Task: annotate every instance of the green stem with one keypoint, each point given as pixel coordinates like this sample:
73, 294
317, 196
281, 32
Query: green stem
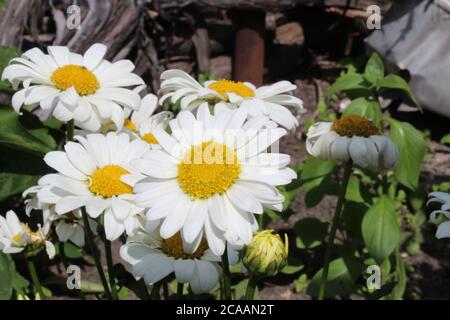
334, 225
70, 130
32, 270
165, 286
93, 249
226, 275
261, 221
143, 290
62, 254
155, 291
251, 287
180, 287
110, 265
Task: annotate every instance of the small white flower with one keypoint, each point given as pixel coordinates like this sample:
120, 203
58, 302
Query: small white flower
69, 86
68, 227
90, 175
355, 138
154, 258
212, 174
142, 121
443, 230
15, 236
270, 101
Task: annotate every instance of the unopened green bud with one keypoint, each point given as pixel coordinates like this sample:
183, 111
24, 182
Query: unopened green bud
266, 255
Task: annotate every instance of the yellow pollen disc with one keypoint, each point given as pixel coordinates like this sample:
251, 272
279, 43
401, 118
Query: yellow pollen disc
227, 86
130, 125
106, 182
354, 126
208, 169
173, 247
83, 80
16, 237
149, 138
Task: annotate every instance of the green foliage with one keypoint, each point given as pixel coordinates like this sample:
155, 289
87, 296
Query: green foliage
371, 218
310, 232
6, 54
380, 229
5, 277
342, 277
25, 133
412, 148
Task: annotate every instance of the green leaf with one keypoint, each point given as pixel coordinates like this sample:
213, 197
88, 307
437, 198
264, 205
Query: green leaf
240, 288
380, 229
400, 278
290, 269
393, 81
5, 277
341, 279
353, 192
445, 139
348, 81
374, 70
25, 133
365, 108
315, 170
310, 232
6, 54
300, 283
20, 170
412, 147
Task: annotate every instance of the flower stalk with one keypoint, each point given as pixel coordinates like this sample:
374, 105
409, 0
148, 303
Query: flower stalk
251, 287
93, 249
110, 266
334, 225
33, 274
226, 275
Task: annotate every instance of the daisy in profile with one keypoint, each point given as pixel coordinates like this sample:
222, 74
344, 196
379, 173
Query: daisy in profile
211, 176
270, 100
89, 174
69, 86
443, 198
142, 121
352, 137
68, 227
16, 236
154, 258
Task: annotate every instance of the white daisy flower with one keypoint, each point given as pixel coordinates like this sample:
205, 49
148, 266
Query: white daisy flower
69, 86
268, 100
212, 175
90, 175
142, 121
16, 236
154, 258
443, 230
68, 227
352, 137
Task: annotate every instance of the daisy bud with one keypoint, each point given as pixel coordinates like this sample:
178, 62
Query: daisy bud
266, 255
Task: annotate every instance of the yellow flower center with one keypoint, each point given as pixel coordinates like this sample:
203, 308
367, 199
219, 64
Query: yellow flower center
106, 182
354, 126
227, 86
83, 80
149, 138
173, 247
208, 169
17, 237
130, 125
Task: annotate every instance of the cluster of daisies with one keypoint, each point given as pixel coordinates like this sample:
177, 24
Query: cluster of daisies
182, 190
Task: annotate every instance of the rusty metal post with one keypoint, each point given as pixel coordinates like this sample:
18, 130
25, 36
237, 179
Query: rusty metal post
248, 60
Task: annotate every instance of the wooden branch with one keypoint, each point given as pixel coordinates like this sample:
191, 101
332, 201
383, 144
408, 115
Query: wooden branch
13, 21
